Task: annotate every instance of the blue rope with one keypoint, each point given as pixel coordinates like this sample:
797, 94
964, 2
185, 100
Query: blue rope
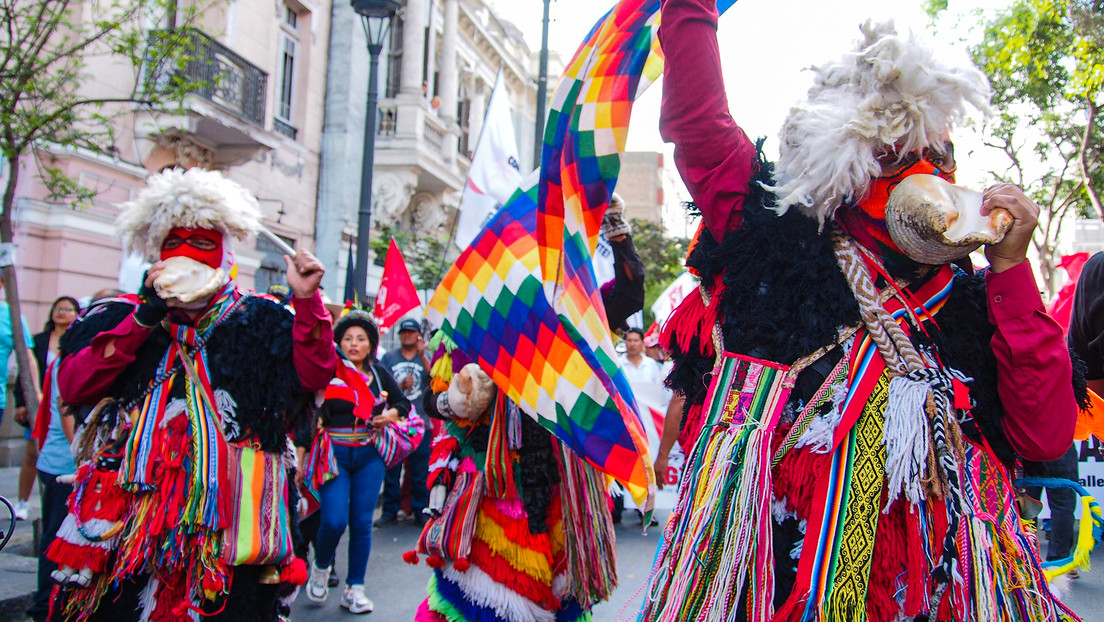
1057, 482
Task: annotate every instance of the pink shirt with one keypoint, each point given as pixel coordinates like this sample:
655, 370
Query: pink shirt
86, 375
717, 161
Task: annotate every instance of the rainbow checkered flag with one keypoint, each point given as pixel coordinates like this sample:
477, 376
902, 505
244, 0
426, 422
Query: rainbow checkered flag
522, 300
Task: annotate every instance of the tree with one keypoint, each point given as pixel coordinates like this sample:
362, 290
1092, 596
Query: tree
49, 103
424, 254
663, 259
1045, 62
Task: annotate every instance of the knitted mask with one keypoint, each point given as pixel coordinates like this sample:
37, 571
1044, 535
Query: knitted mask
865, 219
202, 245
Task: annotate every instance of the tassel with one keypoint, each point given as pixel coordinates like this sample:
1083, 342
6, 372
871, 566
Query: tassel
435, 561
499, 466
411, 557
461, 565
694, 317
906, 438
295, 572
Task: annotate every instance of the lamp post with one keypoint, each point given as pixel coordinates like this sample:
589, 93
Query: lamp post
376, 16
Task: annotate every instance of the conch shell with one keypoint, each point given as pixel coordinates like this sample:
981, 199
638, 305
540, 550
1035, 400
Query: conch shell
187, 280
936, 222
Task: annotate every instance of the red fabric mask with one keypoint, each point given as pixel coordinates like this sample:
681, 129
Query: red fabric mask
202, 245
865, 220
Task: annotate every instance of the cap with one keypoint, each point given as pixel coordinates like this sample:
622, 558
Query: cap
409, 324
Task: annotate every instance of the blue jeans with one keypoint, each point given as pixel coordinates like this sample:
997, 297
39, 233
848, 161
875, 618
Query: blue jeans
350, 500
418, 463
1062, 502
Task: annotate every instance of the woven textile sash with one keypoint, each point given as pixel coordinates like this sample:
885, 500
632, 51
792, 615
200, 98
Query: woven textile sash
207, 455
719, 537
449, 535
838, 545
258, 528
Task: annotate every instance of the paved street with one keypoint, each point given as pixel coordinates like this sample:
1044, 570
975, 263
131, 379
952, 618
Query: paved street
398, 588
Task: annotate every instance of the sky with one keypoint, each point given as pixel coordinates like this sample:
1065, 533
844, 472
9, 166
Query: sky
765, 47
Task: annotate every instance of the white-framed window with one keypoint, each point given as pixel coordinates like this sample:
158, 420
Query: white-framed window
286, 68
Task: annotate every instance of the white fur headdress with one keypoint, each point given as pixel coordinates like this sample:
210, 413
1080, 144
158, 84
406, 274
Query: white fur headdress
195, 198
890, 92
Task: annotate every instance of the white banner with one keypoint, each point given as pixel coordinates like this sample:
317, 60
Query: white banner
494, 173
1090, 472
652, 398
672, 296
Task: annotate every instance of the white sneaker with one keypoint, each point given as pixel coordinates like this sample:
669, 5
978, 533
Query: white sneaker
317, 590
22, 510
355, 601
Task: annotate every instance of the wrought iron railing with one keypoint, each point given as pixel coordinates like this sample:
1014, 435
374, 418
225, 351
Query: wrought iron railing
220, 76
284, 128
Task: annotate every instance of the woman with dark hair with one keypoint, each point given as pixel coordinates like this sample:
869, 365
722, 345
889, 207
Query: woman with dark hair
48, 454
62, 313
362, 398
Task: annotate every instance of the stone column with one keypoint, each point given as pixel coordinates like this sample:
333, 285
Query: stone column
450, 34
413, 47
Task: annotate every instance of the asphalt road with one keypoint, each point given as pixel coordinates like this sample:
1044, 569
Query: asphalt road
397, 588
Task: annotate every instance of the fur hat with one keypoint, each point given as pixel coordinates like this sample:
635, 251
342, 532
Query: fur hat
195, 198
891, 92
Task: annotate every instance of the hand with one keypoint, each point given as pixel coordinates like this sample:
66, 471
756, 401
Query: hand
21, 416
1012, 250
421, 345
388, 417
660, 467
151, 307
299, 476
407, 383
304, 273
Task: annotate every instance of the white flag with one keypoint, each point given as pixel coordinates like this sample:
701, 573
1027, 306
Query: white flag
672, 297
494, 173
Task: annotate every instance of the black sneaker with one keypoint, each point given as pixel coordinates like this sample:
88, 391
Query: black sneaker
334, 580
386, 520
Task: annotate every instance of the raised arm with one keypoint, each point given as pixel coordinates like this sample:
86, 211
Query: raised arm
714, 156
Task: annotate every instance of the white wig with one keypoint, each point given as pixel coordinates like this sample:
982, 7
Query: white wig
890, 93
195, 198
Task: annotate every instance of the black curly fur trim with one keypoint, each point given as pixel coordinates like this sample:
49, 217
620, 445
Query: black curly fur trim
1080, 382
962, 335
249, 356
538, 472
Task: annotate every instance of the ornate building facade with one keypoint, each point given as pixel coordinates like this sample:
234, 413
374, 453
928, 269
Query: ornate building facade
258, 118
436, 74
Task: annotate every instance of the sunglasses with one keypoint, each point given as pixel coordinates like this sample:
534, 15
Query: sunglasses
893, 163
196, 241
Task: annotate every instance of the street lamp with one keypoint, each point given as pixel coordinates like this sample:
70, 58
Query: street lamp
376, 16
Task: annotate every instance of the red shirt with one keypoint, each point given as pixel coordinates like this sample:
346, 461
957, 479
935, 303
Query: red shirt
717, 161
85, 376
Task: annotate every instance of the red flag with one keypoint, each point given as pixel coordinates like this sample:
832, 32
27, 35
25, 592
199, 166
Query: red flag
1061, 308
397, 294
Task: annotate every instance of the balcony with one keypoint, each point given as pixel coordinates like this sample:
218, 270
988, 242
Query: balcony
223, 116
222, 77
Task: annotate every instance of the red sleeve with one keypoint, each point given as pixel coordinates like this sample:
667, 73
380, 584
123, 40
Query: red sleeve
85, 376
1034, 372
314, 353
714, 156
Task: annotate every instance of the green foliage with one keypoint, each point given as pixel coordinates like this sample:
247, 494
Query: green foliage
663, 258
47, 96
1045, 61
424, 254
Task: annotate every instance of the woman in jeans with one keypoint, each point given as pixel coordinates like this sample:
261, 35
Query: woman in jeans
361, 399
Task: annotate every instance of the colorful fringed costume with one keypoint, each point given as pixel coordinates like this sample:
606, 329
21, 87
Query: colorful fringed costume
182, 507
538, 543
854, 417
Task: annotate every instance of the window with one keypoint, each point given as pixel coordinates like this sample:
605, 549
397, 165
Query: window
273, 268
394, 59
289, 48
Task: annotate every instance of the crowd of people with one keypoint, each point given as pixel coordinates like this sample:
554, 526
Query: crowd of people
857, 411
